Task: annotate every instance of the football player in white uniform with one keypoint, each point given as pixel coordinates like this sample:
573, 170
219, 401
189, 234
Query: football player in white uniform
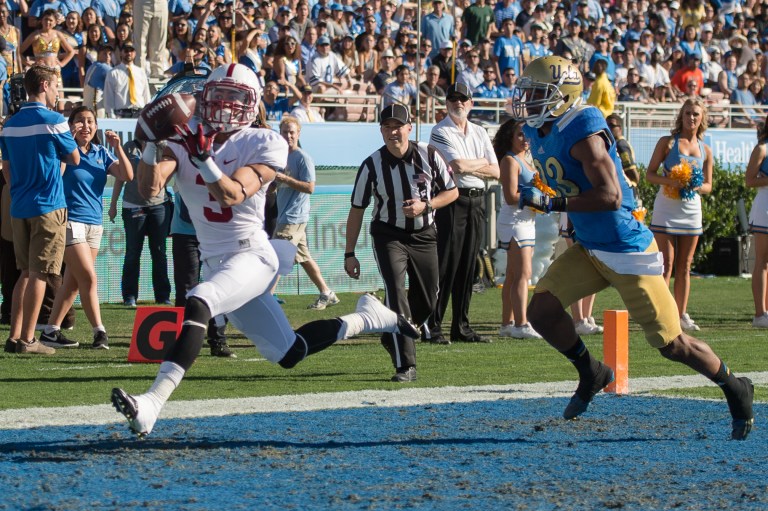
223, 167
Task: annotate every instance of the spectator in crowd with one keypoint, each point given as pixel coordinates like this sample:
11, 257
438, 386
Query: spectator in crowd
95, 78
690, 42
386, 73
150, 33
308, 46
326, 71
431, 93
88, 52
287, 64
602, 95
472, 74
728, 79
366, 65
757, 177
507, 84
32, 166
408, 181
468, 150
142, 219
348, 54
712, 68
123, 36
295, 184
438, 26
275, 106
602, 53
301, 22
401, 90
222, 49
574, 43
304, 111
180, 39
478, 21
487, 90
516, 229
12, 37
49, 46
83, 188
691, 72
126, 89
73, 31
677, 220
503, 10
634, 90
445, 61
745, 116
508, 49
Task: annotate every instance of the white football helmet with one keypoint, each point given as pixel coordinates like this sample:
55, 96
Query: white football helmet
231, 98
548, 88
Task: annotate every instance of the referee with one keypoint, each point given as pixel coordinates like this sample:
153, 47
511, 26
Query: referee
407, 182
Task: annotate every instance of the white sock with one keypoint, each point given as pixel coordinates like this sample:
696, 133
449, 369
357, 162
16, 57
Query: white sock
351, 325
50, 329
168, 378
99, 328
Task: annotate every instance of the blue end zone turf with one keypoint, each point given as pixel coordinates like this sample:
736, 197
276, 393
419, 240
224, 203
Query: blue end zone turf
633, 453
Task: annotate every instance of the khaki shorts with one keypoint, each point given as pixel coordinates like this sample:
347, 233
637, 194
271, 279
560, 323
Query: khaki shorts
296, 234
78, 232
39, 242
576, 274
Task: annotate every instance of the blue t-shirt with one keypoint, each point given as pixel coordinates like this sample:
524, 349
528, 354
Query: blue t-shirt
276, 110
293, 205
35, 141
84, 185
509, 51
611, 231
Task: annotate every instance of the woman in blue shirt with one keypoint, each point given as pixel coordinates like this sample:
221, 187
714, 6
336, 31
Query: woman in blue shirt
83, 187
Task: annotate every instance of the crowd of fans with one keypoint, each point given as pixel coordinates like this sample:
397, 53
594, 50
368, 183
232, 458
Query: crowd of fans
653, 51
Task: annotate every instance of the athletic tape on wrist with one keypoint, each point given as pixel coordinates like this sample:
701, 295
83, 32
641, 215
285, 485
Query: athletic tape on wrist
209, 171
149, 154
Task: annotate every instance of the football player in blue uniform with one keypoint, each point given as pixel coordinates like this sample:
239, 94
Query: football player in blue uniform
575, 155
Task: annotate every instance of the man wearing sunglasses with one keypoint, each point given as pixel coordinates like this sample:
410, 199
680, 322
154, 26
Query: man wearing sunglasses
468, 150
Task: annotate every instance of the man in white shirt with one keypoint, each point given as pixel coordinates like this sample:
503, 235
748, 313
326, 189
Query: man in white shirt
126, 89
326, 70
304, 111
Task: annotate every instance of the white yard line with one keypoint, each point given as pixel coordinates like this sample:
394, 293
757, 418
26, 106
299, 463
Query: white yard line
105, 414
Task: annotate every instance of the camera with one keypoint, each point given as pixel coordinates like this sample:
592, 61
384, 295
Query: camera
18, 93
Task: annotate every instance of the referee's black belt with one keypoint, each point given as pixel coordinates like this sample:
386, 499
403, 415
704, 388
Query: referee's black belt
472, 192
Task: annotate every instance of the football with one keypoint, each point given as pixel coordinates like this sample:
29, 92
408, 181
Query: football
158, 119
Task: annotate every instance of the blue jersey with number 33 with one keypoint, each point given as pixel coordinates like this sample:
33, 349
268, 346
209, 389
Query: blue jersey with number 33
611, 231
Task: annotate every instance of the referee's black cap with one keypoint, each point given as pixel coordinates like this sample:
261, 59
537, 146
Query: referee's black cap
396, 111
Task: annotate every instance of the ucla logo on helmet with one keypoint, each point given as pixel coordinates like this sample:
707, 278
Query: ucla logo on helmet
565, 74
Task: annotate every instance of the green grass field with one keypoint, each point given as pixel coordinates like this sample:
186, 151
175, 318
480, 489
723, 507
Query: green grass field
721, 306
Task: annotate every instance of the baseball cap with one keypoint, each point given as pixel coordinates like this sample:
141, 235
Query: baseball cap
459, 89
600, 38
535, 26
447, 45
715, 49
466, 42
582, 2
102, 47
634, 37
397, 112
128, 46
618, 48
706, 27
306, 88
336, 7
283, 9
388, 53
674, 5
323, 39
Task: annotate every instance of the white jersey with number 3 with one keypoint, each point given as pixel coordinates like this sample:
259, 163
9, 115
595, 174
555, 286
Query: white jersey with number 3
222, 230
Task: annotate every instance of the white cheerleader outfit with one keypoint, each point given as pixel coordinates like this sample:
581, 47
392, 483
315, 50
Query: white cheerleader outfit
514, 223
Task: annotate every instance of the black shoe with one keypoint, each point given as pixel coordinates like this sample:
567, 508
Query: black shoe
57, 340
406, 327
587, 389
405, 375
221, 349
438, 340
10, 345
100, 341
473, 338
740, 405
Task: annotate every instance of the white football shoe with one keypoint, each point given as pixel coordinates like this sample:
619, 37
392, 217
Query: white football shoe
594, 324
687, 323
140, 411
506, 330
378, 318
525, 331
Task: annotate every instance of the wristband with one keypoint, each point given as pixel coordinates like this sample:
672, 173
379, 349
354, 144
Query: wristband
149, 154
209, 171
347, 255
558, 203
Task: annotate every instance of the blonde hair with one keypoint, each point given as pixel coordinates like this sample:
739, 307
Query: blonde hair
290, 119
694, 102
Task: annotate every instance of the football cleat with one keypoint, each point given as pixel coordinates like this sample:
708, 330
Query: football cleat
587, 390
378, 318
740, 405
137, 409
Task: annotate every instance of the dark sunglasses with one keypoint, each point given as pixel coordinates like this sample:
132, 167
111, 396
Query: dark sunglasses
457, 98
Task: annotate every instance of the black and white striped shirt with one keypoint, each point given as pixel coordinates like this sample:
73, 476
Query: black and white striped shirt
420, 174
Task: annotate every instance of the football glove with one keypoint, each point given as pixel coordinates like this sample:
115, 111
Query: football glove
197, 144
538, 201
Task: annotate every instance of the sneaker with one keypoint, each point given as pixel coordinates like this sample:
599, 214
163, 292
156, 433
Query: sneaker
137, 409
100, 341
10, 345
405, 375
740, 405
378, 318
57, 340
687, 323
324, 301
584, 327
760, 321
595, 325
506, 330
130, 302
221, 349
586, 390
525, 331
33, 346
